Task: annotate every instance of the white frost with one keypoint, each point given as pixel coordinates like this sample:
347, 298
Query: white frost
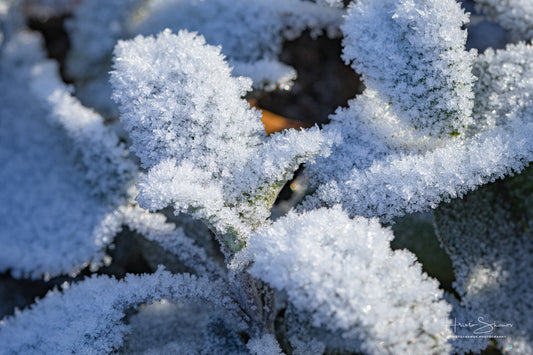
206, 150
344, 272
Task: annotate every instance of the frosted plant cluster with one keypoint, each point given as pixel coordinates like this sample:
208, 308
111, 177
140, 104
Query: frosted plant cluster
388, 169
183, 134
324, 271
154, 144
423, 71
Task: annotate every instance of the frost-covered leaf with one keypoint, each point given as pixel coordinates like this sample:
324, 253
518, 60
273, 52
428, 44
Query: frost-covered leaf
87, 317
404, 183
488, 237
52, 219
154, 227
265, 345
344, 272
372, 175
57, 155
412, 54
206, 150
514, 15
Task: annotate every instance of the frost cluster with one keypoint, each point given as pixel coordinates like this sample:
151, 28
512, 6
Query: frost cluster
205, 148
56, 154
154, 146
389, 165
348, 277
54, 326
491, 248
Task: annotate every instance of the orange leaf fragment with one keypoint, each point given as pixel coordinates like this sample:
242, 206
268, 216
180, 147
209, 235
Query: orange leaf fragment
276, 123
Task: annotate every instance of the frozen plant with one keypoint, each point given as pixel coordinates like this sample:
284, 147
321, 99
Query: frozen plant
326, 272
391, 163
188, 172
183, 133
